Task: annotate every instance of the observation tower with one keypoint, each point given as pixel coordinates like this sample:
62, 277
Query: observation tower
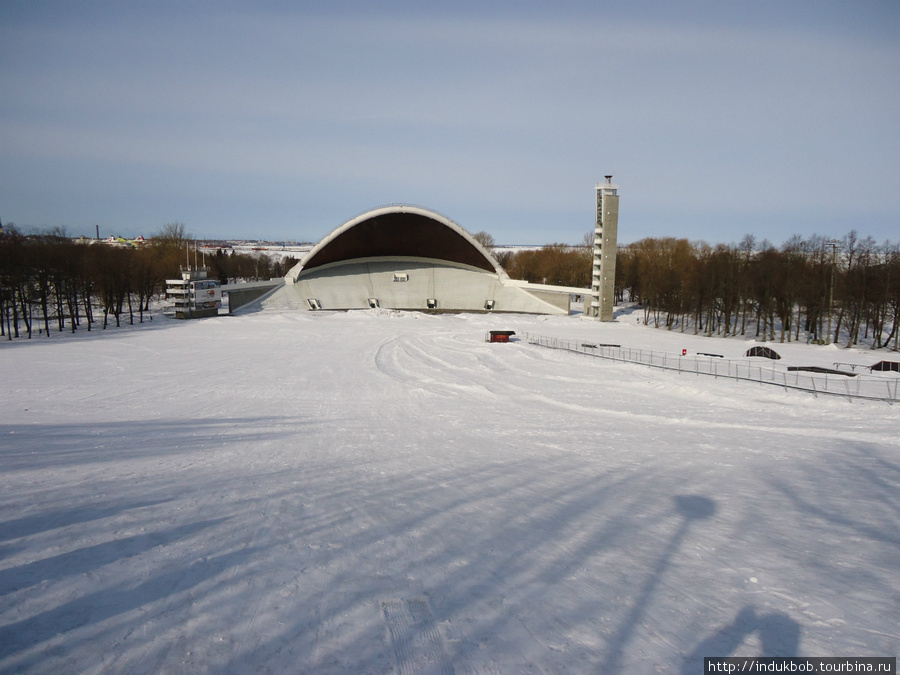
598, 304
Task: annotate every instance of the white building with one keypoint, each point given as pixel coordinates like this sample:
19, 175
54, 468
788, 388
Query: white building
411, 258
194, 295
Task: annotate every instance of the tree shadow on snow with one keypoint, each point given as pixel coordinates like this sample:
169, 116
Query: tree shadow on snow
859, 475
691, 509
37, 446
545, 563
41, 522
84, 560
107, 603
517, 577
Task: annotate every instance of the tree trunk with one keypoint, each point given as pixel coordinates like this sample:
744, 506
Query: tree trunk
26, 311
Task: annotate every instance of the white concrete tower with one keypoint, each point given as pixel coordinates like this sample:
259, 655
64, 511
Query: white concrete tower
599, 304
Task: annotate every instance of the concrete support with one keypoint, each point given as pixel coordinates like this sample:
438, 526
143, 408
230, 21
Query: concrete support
241, 294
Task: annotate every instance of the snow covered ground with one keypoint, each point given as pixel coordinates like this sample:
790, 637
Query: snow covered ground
378, 492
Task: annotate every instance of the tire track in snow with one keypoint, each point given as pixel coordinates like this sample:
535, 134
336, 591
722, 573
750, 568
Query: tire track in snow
505, 386
326, 630
428, 371
417, 643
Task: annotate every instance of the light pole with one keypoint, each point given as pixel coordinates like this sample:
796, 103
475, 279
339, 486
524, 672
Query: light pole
834, 244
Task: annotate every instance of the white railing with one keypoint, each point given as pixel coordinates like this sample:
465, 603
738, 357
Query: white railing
861, 386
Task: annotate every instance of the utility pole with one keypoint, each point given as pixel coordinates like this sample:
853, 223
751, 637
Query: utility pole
834, 244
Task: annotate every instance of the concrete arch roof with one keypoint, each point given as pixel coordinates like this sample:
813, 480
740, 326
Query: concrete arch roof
399, 230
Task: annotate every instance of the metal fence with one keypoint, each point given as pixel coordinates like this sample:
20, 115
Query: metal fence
879, 388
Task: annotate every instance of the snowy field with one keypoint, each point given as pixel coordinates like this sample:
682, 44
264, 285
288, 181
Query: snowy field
379, 492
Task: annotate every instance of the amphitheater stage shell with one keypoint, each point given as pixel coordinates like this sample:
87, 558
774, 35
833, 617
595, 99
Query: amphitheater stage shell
409, 258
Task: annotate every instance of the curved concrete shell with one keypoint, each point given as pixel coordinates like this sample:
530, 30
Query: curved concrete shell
392, 231
408, 257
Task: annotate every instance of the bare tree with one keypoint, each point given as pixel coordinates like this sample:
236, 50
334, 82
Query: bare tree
484, 239
174, 235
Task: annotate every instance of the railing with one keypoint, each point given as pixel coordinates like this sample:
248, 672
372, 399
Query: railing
861, 386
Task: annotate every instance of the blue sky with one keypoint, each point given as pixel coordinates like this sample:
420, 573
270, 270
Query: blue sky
281, 120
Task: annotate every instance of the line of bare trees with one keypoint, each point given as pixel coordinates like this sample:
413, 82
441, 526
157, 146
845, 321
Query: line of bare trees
50, 282
554, 264
805, 287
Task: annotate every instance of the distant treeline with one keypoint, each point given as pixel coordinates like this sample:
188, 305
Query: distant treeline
50, 282
757, 289
554, 264
746, 289
768, 292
